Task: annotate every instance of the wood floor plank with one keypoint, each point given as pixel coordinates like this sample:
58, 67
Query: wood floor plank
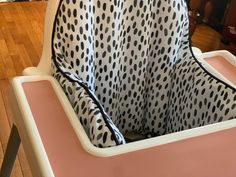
29, 41
3, 47
16, 32
5, 12
9, 41
4, 123
29, 50
32, 27
1, 159
22, 60
1, 35
17, 172
2, 20
27, 173
9, 69
5, 88
24, 162
2, 70
6, 61
18, 64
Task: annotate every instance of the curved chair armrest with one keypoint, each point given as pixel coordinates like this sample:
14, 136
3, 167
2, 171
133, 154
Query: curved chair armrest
197, 52
212, 69
201, 57
223, 53
27, 128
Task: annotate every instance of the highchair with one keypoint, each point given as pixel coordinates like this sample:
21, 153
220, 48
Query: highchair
119, 91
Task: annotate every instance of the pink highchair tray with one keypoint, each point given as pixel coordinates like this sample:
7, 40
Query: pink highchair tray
211, 155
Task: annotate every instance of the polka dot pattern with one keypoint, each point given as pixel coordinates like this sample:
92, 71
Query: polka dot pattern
97, 124
134, 58
197, 98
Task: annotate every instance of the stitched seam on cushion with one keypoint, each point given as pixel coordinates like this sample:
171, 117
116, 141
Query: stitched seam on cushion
92, 97
82, 85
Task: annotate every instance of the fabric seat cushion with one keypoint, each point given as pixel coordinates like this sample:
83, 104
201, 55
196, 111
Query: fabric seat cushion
97, 124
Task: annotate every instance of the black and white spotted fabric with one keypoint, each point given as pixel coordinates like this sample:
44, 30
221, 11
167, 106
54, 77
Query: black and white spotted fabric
97, 124
130, 61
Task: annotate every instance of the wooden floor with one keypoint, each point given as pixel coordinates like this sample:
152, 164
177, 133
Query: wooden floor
21, 26
207, 39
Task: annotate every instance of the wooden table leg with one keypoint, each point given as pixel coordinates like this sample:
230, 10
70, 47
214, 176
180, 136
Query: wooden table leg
11, 152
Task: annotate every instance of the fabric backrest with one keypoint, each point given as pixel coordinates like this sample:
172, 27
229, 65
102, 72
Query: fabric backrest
135, 56
125, 51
